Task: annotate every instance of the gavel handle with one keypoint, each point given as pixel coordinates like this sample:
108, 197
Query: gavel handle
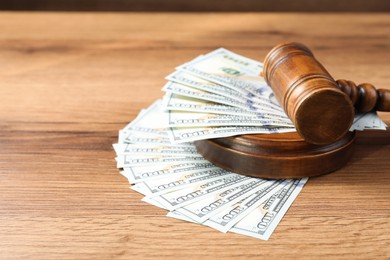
365, 97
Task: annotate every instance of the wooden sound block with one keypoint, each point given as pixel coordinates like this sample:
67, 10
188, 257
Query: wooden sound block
276, 156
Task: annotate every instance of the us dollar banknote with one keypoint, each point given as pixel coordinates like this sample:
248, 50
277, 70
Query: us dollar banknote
192, 81
185, 101
190, 134
204, 209
261, 222
263, 100
191, 119
131, 160
176, 102
183, 90
228, 69
161, 186
141, 173
230, 215
137, 149
180, 198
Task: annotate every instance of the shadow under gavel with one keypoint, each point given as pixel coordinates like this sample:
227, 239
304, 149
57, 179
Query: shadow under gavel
321, 109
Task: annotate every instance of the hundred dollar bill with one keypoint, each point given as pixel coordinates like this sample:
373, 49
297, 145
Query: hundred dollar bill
201, 84
147, 127
204, 209
180, 198
149, 130
137, 118
376, 122
231, 214
161, 186
228, 69
191, 119
137, 139
147, 149
144, 132
261, 222
221, 67
140, 117
182, 103
262, 100
139, 133
124, 132
149, 122
147, 137
190, 134
359, 122
122, 136
367, 121
183, 90
128, 161
137, 174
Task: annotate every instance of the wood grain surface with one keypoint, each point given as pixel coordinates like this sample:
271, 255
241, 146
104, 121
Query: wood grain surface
69, 81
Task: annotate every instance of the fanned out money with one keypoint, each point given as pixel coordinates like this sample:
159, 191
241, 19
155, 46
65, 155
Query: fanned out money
175, 177
215, 95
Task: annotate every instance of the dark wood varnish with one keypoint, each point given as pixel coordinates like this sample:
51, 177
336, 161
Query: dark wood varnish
365, 97
308, 93
285, 155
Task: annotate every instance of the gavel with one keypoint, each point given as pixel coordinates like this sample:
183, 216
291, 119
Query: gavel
321, 108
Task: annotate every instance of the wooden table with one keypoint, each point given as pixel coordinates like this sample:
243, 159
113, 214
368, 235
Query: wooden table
69, 81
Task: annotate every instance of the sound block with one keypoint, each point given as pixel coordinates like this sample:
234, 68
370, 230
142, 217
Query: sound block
276, 156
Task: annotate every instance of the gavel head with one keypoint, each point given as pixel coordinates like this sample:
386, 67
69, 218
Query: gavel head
320, 111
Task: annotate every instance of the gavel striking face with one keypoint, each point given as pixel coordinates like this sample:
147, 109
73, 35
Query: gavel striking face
321, 108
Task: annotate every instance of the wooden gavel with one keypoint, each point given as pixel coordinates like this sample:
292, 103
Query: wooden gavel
321, 108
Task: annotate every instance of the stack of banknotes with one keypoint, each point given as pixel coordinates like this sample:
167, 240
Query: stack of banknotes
219, 94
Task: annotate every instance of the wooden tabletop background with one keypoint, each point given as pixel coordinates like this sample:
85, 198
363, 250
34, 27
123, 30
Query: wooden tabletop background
70, 81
